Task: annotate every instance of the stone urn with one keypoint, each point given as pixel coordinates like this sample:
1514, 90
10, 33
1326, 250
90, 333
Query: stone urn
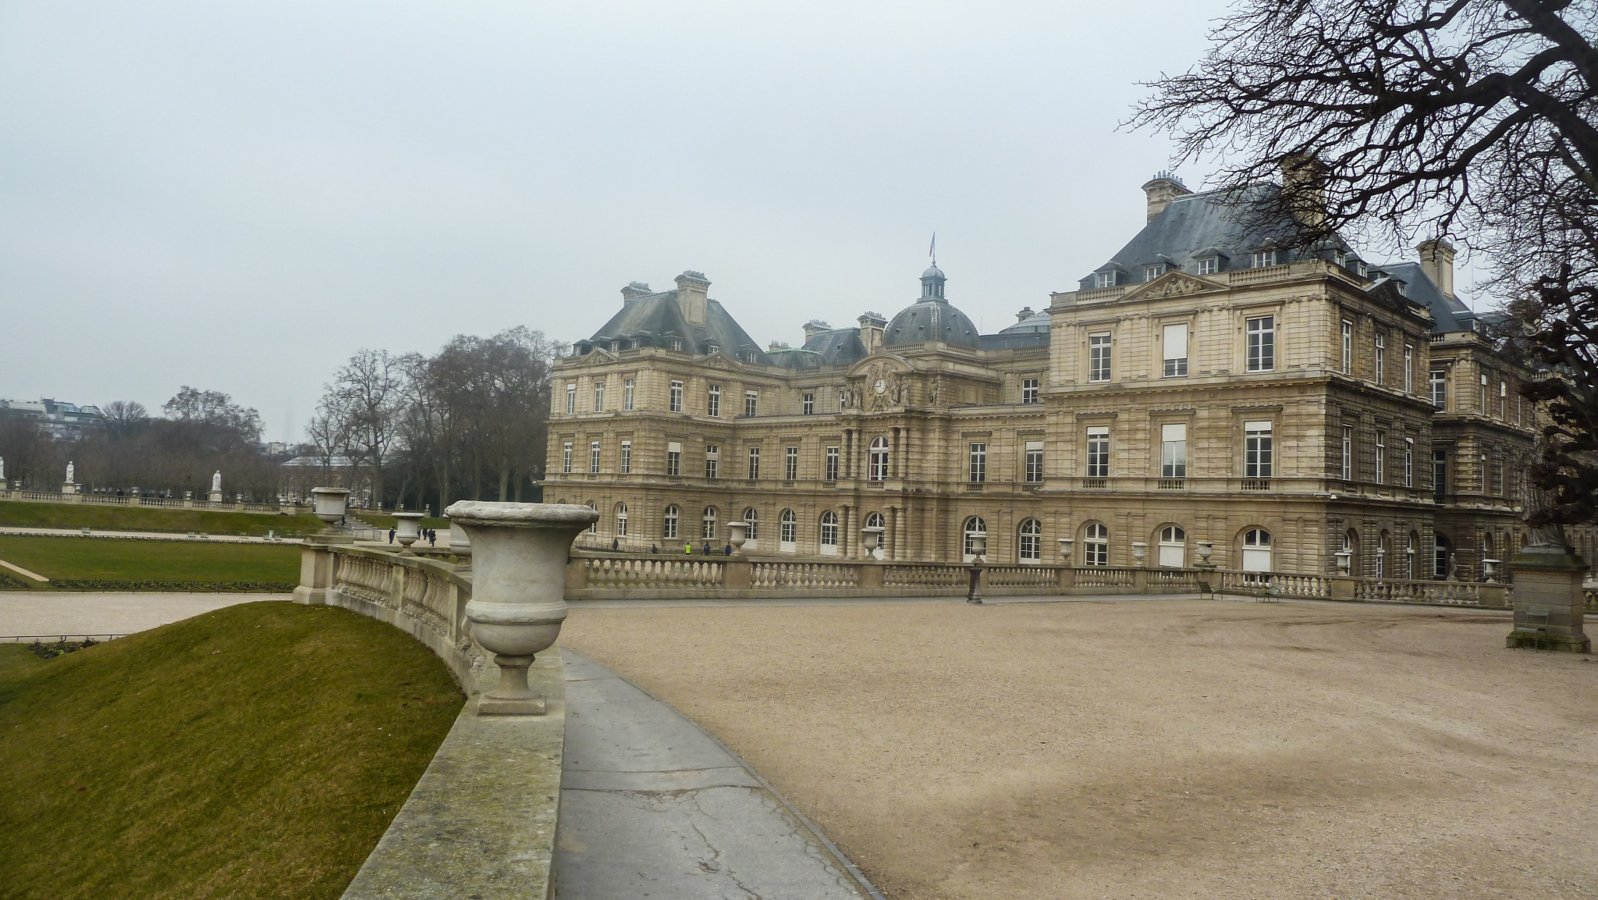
1140, 549
329, 503
407, 529
737, 534
1205, 550
1065, 549
872, 535
519, 553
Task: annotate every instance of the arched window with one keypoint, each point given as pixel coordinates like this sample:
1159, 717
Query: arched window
621, 520
1173, 547
593, 527
874, 520
1351, 547
878, 470
1384, 549
752, 533
829, 532
973, 527
1029, 543
708, 531
1256, 550
668, 522
1095, 544
787, 528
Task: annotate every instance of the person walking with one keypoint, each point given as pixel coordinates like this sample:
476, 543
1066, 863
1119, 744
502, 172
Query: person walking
688, 549
391, 535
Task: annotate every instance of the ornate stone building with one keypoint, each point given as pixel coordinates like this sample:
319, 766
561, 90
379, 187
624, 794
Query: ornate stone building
1205, 383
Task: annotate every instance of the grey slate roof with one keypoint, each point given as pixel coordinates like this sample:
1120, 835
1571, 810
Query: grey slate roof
1447, 315
654, 319
1209, 224
930, 320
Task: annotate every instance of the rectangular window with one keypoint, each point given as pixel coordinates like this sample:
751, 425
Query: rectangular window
843, 398
712, 461
1174, 342
1409, 368
1440, 473
571, 399
1098, 452
625, 463
1348, 453
1263, 258
807, 404
676, 397
713, 401
1258, 450
593, 458
1099, 357
1173, 451
979, 463
790, 464
751, 403
833, 456
1154, 271
1348, 346
1381, 357
1409, 462
1029, 390
754, 463
1209, 265
599, 396
673, 459
1381, 457
566, 457
1503, 399
1439, 387
1498, 474
1104, 279
1034, 462
627, 395
1481, 405
1261, 344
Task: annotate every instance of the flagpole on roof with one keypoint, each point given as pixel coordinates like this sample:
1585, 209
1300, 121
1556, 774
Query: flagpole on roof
932, 251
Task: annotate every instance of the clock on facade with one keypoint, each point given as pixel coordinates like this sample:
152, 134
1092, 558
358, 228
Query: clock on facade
880, 386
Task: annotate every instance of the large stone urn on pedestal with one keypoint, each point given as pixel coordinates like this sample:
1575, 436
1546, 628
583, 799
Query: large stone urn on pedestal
737, 535
519, 553
407, 530
330, 503
316, 555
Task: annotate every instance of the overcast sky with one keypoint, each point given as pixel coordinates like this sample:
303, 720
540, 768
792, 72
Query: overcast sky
239, 196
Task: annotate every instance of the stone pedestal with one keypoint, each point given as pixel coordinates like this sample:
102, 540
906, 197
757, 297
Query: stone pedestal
69, 488
216, 497
1548, 600
519, 553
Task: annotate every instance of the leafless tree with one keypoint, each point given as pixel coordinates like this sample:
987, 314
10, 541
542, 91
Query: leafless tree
365, 401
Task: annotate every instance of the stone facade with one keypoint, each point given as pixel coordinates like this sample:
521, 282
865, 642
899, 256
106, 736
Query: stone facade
1202, 385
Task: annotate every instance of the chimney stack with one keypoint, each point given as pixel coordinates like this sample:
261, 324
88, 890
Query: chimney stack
1437, 261
871, 325
693, 296
635, 290
815, 327
1304, 189
1161, 190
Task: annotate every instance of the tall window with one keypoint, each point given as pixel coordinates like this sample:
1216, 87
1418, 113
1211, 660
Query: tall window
571, 399
1381, 457
1409, 462
712, 461
1029, 543
829, 530
1256, 550
1439, 387
599, 396
1095, 545
790, 463
627, 395
621, 520
807, 404
833, 456
707, 530
974, 527
625, 462
843, 398
566, 457
754, 463
673, 459
1481, 403
1261, 343
753, 518
593, 527
979, 462
1381, 357
1503, 399
1104, 279
1384, 548
1257, 450
1173, 547
593, 457
878, 468
1098, 452
1409, 368
1173, 450
1348, 346
751, 403
1348, 453
787, 527
1440, 473
668, 522
713, 401
1033, 462
676, 397
1174, 344
1411, 546
1099, 357
1029, 390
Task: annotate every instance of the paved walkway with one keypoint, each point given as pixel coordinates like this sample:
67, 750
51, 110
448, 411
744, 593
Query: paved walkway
81, 614
652, 806
145, 535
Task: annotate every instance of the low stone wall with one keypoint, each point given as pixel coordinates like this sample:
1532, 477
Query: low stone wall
150, 501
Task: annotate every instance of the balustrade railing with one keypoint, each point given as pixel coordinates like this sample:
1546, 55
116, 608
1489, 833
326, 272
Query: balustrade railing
804, 575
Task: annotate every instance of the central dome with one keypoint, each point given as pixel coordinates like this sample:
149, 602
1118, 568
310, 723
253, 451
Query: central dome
931, 318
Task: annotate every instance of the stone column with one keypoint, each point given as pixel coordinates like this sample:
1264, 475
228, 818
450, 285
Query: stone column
1548, 599
518, 591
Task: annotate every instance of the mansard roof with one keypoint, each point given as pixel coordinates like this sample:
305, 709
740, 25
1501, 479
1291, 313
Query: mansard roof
1448, 313
654, 320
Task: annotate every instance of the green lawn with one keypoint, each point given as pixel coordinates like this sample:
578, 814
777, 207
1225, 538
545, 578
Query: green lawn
385, 522
110, 564
21, 514
260, 750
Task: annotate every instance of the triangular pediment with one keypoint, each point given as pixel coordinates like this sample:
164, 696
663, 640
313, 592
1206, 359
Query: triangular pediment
1173, 284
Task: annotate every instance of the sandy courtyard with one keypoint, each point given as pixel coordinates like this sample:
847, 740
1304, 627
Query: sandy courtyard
1148, 748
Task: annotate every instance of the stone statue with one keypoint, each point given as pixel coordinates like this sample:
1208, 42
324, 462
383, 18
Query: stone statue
1548, 535
71, 470
216, 480
2, 473
934, 387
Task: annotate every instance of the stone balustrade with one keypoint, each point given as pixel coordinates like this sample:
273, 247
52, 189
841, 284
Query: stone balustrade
151, 501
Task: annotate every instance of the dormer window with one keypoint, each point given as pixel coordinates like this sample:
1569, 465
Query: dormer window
710, 349
1360, 268
1263, 258
1153, 271
1104, 279
676, 344
1209, 265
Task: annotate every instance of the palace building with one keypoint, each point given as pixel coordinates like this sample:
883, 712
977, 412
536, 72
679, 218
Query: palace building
1207, 383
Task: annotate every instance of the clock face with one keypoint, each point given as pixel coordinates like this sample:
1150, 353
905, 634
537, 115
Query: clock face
880, 386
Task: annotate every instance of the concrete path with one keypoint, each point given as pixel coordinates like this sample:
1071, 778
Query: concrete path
81, 614
653, 807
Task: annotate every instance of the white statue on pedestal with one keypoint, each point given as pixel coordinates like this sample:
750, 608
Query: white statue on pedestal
70, 470
2, 473
216, 480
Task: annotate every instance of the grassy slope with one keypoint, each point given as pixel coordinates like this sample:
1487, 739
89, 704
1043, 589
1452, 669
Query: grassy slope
19, 514
133, 561
260, 750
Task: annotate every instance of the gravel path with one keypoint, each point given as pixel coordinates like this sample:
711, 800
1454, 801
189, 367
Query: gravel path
1147, 748
34, 613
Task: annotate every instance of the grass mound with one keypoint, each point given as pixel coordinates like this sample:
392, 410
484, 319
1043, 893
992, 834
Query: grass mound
105, 564
259, 750
23, 514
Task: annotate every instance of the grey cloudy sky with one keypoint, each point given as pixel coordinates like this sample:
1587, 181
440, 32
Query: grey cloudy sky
239, 196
